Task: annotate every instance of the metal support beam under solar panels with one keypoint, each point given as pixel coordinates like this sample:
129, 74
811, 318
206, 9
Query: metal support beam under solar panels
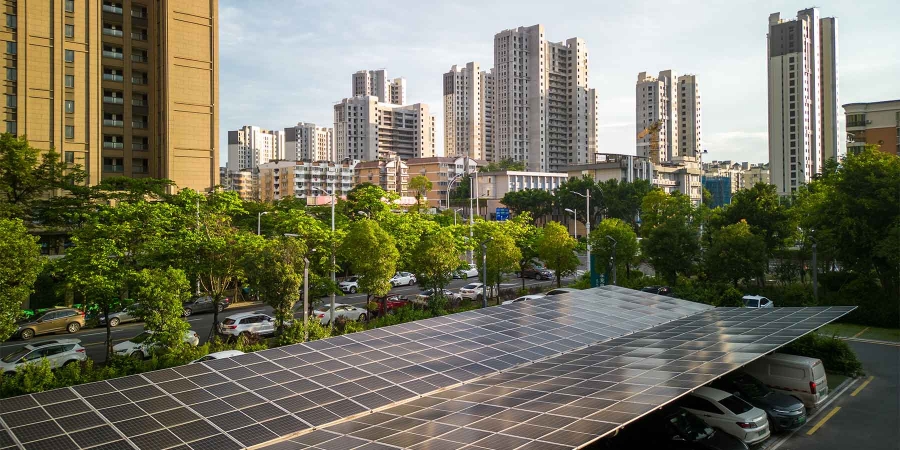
521, 352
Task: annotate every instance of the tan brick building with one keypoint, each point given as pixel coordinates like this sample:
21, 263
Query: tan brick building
875, 123
122, 87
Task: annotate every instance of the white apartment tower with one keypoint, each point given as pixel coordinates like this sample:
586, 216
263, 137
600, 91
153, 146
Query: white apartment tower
689, 126
367, 130
544, 112
805, 117
673, 102
308, 142
251, 146
466, 111
377, 84
487, 114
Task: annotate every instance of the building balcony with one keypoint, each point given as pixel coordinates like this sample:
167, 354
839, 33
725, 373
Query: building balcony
138, 58
139, 36
138, 80
111, 77
140, 14
138, 125
138, 102
857, 123
114, 100
139, 146
113, 55
113, 123
114, 145
112, 32
112, 9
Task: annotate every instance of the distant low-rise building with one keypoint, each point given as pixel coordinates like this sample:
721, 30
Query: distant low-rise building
245, 182
492, 186
682, 175
441, 171
875, 123
392, 175
756, 173
720, 188
366, 129
304, 179
610, 166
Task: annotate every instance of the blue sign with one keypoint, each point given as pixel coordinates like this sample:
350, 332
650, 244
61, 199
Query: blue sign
502, 214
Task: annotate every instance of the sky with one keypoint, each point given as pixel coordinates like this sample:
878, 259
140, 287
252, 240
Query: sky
289, 61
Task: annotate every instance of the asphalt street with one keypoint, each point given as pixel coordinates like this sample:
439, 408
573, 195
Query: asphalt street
866, 416
93, 339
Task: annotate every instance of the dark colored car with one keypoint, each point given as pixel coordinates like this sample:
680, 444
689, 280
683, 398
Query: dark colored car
204, 304
785, 412
129, 314
658, 290
674, 428
537, 272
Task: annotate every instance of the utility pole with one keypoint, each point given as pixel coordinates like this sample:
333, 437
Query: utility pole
305, 298
484, 272
613, 257
587, 225
259, 222
815, 273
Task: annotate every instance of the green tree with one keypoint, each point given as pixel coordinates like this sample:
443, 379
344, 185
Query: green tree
505, 164
626, 245
407, 230
421, 185
461, 191
557, 249
526, 236
502, 255
735, 253
671, 233
368, 199
276, 270
372, 256
160, 294
622, 200
765, 213
27, 173
22, 263
436, 257
536, 202
566, 197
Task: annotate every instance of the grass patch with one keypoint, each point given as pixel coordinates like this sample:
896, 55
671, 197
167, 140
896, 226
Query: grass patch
861, 332
834, 380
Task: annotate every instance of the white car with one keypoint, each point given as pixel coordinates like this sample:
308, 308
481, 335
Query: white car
139, 347
472, 291
469, 271
350, 285
728, 413
558, 291
219, 355
58, 353
403, 279
247, 325
349, 312
757, 301
523, 298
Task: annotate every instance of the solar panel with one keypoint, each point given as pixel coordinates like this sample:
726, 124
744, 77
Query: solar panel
242, 401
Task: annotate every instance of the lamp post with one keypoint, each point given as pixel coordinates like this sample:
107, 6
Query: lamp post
454, 215
701, 188
484, 272
614, 242
587, 225
333, 278
815, 270
259, 222
576, 220
450, 185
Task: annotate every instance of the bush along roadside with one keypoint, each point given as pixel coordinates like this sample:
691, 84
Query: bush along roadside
836, 354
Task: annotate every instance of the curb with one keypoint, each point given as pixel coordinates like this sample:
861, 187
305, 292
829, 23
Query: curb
773, 444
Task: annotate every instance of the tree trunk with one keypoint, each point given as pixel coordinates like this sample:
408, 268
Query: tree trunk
558, 279
212, 329
108, 332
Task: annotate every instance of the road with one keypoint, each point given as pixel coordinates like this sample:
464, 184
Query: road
866, 416
93, 339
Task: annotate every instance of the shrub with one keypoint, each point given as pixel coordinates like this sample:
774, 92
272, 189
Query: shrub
583, 281
730, 297
293, 333
30, 378
438, 305
836, 354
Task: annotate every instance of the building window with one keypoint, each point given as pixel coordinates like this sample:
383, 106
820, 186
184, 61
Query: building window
70, 106
70, 132
11, 101
11, 127
139, 165
70, 31
70, 56
70, 81
11, 21
70, 5
70, 157
11, 48
113, 165
11, 74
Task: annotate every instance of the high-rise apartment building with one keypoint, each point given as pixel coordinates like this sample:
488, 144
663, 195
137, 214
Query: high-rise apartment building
251, 146
487, 114
544, 112
121, 87
672, 102
366, 130
308, 142
467, 111
377, 84
875, 123
805, 121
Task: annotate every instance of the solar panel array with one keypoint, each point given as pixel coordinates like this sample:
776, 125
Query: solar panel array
257, 398
575, 398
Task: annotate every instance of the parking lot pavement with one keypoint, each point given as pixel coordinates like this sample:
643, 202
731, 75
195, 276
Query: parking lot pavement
865, 416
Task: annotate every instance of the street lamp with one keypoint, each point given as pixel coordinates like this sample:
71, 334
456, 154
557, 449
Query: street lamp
576, 220
450, 186
587, 225
613, 257
454, 215
701, 153
815, 269
305, 291
484, 271
333, 279
259, 222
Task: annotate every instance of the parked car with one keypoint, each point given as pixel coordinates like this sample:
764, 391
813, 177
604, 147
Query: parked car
757, 301
472, 291
247, 325
350, 285
558, 291
129, 314
62, 319
471, 270
426, 295
204, 304
348, 312
219, 355
785, 412
524, 298
536, 271
140, 346
403, 279
798, 376
391, 303
58, 353
674, 428
728, 413
658, 290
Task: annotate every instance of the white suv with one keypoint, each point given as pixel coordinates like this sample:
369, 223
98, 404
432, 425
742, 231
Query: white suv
58, 353
140, 346
350, 285
247, 325
473, 291
403, 279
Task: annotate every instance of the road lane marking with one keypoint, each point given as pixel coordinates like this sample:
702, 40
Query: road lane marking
834, 398
871, 341
862, 386
861, 332
822, 422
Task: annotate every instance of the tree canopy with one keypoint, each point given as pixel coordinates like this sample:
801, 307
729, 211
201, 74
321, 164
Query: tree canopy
557, 249
626, 245
536, 202
22, 263
735, 253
